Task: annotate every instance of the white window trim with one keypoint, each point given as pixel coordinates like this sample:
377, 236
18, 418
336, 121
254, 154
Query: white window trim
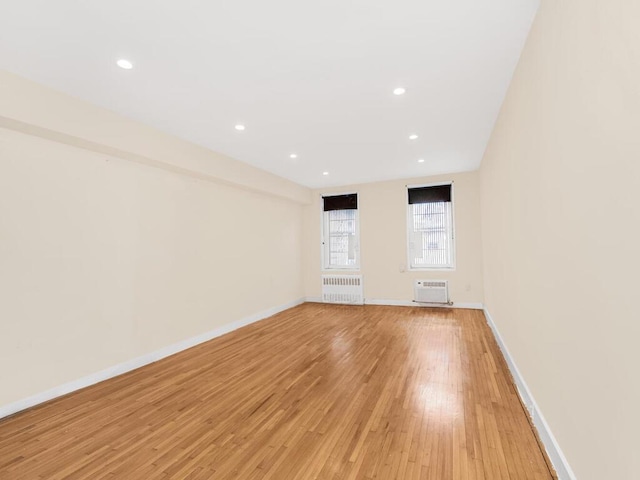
323, 253
453, 229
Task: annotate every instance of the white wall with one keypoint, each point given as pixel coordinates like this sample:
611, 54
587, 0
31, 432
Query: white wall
561, 229
104, 259
383, 231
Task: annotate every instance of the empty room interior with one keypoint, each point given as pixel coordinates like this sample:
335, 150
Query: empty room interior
319, 240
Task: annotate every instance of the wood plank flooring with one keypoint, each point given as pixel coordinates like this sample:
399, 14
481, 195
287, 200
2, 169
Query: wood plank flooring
316, 392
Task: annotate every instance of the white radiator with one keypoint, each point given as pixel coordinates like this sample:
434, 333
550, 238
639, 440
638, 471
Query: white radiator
431, 291
342, 289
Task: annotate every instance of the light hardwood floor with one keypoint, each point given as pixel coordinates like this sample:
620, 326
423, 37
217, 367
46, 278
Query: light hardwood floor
318, 391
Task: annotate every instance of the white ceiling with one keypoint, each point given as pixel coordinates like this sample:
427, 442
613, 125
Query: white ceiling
312, 78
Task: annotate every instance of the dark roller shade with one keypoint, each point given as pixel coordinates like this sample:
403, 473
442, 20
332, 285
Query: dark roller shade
439, 193
341, 202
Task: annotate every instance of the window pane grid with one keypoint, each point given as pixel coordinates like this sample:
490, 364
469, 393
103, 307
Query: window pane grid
341, 237
432, 234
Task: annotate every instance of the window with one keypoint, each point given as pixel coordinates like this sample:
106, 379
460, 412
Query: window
340, 232
430, 227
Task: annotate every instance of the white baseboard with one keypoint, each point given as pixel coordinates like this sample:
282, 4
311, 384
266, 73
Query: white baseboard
554, 452
138, 362
406, 303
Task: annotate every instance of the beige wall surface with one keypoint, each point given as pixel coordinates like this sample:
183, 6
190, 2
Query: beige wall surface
29, 106
103, 260
561, 229
383, 240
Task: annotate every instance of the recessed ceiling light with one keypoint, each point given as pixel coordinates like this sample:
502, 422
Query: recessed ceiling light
399, 91
421, 160
293, 155
325, 173
413, 137
126, 64
240, 127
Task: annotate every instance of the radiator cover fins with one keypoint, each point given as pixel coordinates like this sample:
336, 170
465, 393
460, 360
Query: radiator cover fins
345, 289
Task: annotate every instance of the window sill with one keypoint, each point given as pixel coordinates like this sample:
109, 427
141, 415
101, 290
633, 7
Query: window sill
431, 269
341, 270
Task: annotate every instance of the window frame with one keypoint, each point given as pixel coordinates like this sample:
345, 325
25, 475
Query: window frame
409, 229
324, 257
